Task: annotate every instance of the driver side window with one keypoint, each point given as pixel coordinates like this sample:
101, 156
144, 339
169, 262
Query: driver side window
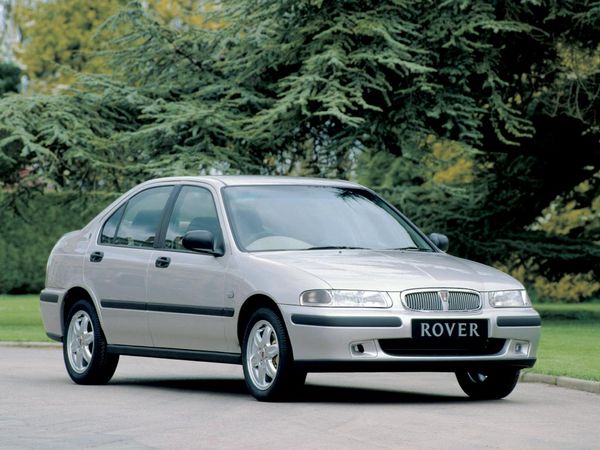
193, 210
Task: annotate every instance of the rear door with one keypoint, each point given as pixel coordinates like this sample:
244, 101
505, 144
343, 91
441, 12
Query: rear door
117, 265
187, 308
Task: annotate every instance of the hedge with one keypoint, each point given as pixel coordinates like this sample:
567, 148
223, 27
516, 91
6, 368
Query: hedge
28, 236
580, 311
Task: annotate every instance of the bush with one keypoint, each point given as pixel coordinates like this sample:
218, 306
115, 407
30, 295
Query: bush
567, 288
28, 236
565, 311
570, 288
10, 77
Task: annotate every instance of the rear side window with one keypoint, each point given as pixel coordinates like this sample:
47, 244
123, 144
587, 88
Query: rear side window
138, 223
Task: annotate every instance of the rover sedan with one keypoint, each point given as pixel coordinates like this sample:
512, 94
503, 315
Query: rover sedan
284, 276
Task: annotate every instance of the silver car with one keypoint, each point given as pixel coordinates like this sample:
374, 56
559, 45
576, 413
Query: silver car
284, 276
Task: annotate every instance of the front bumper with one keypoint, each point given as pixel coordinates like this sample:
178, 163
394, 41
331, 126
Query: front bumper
344, 339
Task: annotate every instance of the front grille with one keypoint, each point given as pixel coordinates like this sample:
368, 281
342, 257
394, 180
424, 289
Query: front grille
441, 347
431, 301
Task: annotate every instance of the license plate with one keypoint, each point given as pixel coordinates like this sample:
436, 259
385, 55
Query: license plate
449, 329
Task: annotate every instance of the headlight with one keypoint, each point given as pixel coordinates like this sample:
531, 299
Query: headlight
509, 299
337, 298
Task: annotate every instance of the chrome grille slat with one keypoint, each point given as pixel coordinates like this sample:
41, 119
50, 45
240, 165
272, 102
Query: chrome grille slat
463, 301
431, 301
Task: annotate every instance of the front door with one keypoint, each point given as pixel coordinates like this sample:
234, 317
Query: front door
186, 304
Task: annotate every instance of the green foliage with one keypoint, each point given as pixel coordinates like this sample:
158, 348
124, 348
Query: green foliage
289, 87
29, 235
485, 214
336, 78
10, 78
562, 311
574, 213
59, 39
570, 288
342, 88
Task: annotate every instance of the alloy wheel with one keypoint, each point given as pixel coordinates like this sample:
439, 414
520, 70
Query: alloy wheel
262, 354
80, 341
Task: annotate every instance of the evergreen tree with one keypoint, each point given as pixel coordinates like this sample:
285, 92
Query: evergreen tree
328, 87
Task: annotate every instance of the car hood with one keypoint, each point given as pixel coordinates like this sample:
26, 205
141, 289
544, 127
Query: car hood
392, 270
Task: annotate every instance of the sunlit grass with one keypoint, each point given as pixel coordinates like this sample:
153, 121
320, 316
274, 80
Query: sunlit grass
570, 348
20, 319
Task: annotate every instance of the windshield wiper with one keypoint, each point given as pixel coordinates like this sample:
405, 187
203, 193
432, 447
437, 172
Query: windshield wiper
419, 249
336, 247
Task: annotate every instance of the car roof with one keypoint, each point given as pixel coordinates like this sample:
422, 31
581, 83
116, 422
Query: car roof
254, 180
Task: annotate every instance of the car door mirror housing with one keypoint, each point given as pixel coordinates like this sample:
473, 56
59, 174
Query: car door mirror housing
202, 241
440, 241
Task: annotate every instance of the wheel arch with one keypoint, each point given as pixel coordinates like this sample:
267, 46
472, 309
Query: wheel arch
253, 303
71, 296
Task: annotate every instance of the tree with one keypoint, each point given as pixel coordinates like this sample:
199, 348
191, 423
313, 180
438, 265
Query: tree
60, 37
58, 40
314, 87
8, 32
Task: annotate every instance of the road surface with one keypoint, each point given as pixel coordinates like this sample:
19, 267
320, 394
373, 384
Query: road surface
177, 404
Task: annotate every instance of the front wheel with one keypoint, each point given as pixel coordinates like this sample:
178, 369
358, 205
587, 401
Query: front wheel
84, 347
488, 384
267, 358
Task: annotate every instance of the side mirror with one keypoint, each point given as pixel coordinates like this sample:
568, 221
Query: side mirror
202, 241
440, 241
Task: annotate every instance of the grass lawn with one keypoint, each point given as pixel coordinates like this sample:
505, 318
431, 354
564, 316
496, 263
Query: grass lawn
568, 347
20, 319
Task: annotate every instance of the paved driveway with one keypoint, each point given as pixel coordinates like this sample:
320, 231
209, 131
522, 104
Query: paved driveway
177, 404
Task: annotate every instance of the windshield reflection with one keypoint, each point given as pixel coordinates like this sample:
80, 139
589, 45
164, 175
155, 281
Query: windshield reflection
301, 217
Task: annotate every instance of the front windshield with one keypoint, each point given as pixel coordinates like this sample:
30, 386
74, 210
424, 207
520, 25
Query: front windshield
266, 218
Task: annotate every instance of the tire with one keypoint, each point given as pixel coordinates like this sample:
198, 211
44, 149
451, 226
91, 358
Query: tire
267, 358
85, 348
488, 384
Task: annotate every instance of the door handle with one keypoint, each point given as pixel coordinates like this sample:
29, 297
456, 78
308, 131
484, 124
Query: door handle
163, 262
96, 256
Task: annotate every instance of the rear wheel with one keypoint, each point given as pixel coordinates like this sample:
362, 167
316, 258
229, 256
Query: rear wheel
84, 347
488, 384
267, 358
